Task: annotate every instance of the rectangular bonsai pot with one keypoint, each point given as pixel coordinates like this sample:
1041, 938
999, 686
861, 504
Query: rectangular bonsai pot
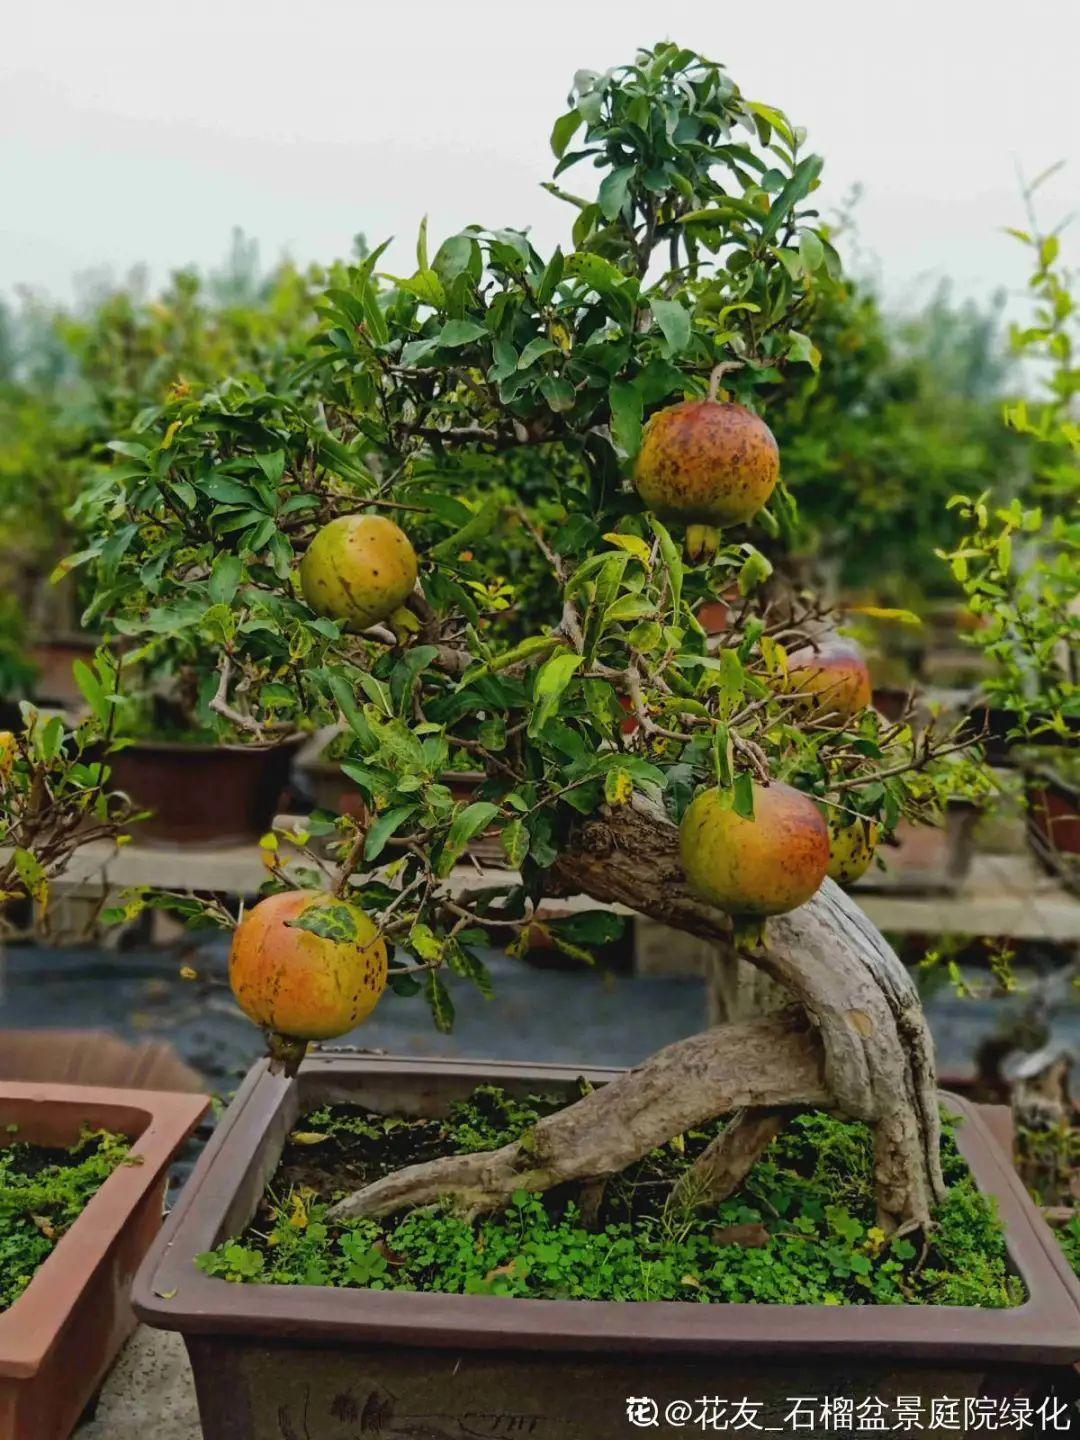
59, 1338
284, 1361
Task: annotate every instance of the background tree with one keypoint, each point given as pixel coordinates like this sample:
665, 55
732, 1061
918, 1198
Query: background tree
687, 275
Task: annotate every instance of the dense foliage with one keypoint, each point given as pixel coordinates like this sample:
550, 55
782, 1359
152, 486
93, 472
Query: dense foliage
800, 1231
72, 377
42, 1193
902, 413
1019, 564
693, 263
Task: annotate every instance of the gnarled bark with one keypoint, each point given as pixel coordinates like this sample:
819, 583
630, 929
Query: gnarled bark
769, 1062
868, 1054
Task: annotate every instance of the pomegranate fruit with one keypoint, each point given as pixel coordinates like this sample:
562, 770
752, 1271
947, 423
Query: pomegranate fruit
707, 462
358, 568
761, 866
301, 986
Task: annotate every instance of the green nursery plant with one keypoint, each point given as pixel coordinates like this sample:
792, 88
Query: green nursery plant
55, 795
1019, 561
691, 259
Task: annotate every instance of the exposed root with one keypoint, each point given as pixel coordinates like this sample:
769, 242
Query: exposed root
771, 1062
857, 1043
726, 1161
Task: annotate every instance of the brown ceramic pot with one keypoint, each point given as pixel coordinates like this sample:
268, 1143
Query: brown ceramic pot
54, 658
208, 795
60, 1337
334, 1363
1053, 825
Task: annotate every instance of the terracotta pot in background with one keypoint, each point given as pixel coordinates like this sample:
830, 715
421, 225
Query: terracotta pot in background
55, 684
1053, 825
60, 1337
927, 858
202, 794
269, 1358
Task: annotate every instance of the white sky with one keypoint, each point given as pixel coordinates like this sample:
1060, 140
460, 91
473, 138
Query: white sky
139, 130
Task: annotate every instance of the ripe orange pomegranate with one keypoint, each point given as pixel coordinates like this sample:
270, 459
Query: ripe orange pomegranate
358, 568
763, 866
300, 986
852, 842
708, 462
834, 680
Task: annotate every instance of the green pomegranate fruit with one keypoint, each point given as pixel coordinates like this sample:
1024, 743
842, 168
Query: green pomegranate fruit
761, 866
358, 568
707, 462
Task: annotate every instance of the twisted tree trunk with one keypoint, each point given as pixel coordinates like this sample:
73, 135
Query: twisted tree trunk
854, 1040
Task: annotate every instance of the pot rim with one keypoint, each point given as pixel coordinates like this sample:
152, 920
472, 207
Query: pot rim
1044, 1329
209, 747
158, 1121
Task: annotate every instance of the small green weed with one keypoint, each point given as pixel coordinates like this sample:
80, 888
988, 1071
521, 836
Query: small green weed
800, 1231
42, 1192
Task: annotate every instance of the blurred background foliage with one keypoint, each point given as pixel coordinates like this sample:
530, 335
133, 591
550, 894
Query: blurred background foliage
903, 412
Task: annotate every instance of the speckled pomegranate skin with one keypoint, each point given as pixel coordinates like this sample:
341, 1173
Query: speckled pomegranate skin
358, 568
764, 866
299, 984
852, 842
708, 462
835, 681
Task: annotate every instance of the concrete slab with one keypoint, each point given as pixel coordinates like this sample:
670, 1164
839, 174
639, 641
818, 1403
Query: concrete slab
149, 1392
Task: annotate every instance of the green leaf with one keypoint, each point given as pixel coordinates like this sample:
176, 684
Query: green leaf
460, 332
614, 191
802, 179
333, 922
811, 250
551, 681
672, 558
755, 569
564, 130
385, 826
272, 465
515, 843
225, 578
558, 393
674, 321
743, 795
533, 351
626, 408
467, 823
438, 997
92, 690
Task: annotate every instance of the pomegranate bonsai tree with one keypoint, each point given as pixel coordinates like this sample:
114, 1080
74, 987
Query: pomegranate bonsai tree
333, 530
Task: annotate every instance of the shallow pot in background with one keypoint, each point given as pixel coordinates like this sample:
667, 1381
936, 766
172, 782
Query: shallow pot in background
202, 794
61, 1335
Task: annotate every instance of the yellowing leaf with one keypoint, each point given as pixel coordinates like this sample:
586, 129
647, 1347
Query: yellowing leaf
188, 973
633, 543
305, 1137
881, 612
618, 787
774, 655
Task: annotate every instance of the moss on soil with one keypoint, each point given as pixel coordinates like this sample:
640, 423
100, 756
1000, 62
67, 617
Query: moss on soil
42, 1192
800, 1231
